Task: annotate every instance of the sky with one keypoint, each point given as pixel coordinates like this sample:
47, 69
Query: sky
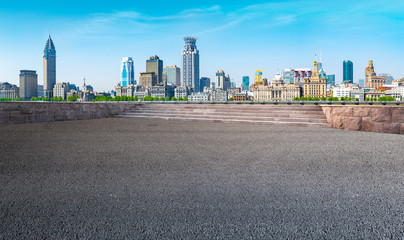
239, 37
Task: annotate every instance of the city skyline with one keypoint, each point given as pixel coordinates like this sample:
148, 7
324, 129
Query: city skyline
268, 36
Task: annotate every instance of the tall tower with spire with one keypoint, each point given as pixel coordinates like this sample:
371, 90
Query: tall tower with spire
49, 68
190, 64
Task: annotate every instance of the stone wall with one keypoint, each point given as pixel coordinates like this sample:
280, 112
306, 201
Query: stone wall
34, 112
381, 119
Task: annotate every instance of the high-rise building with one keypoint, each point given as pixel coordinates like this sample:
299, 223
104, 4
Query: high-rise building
28, 84
190, 64
361, 83
331, 80
40, 90
127, 72
148, 79
371, 80
172, 74
246, 83
204, 82
49, 68
155, 64
347, 76
222, 81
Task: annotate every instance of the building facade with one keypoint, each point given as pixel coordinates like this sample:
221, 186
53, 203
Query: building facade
369, 72
190, 64
155, 65
148, 79
172, 74
8, 90
28, 84
204, 82
127, 72
182, 91
246, 83
331, 80
162, 91
222, 81
315, 86
277, 91
347, 72
199, 97
49, 68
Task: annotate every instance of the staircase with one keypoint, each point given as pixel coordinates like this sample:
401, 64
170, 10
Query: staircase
287, 115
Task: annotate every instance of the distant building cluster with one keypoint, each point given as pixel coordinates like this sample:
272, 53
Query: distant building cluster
171, 81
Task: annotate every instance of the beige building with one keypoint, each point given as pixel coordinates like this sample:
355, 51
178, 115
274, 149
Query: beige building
60, 90
315, 86
278, 91
28, 84
147, 79
371, 80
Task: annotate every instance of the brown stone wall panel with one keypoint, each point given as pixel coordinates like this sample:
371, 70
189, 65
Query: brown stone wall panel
26, 108
391, 128
381, 114
402, 128
34, 118
17, 117
327, 113
60, 115
342, 111
41, 107
11, 106
353, 123
369, 126
398, 115
338, 122
362, 112
52, 107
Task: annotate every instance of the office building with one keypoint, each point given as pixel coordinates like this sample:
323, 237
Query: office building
28, 84
204, 82
258, 77
61, 89
331, 80
299, 74
246, 83
389, 78
40, 91
287, 75
127, 72
222, 81
315, 86
8, 90
172, 74
148, 79
49, 68
190, 64
163, 91
199, 97
182, 91
361, 83
347, 74
155, 65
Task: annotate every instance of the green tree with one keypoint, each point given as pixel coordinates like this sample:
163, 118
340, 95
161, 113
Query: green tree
173, 99
316, 99
135, 98
155, 99
335, 99
179, 99
186, 98
167, 98
342, 99
323, 98
295, 99
309, 98
329, 99
162, 99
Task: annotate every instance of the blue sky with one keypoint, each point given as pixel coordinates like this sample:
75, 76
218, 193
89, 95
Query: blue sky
239, 37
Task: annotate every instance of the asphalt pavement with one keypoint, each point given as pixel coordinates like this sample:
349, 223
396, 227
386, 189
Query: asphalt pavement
156, 179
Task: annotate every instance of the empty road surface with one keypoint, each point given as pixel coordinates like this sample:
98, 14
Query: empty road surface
156, 179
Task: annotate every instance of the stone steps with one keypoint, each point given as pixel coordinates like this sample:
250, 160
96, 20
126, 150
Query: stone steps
285, 115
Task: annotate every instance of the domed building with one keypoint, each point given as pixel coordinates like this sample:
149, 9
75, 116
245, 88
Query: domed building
277, 91
316, 85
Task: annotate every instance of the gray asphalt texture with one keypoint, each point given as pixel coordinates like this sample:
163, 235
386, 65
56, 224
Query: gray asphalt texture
158, 179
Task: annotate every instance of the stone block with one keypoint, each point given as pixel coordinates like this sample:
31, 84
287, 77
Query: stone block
64, 115
40, 107
391, 128
342, 111
337, 122
10, 106
402, 128
353, 123
398, 115
88, 107
52, 107
26, 108
17, 117
381, 114
327, 113
362, 112
34, 118
369, 126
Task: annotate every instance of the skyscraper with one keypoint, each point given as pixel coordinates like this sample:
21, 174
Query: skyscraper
190, 64
222, 81
246, 83
49, 68
154, 64
258, 76
172, 74
204, 82
127, 72
28, 84
330, 80
347, 76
